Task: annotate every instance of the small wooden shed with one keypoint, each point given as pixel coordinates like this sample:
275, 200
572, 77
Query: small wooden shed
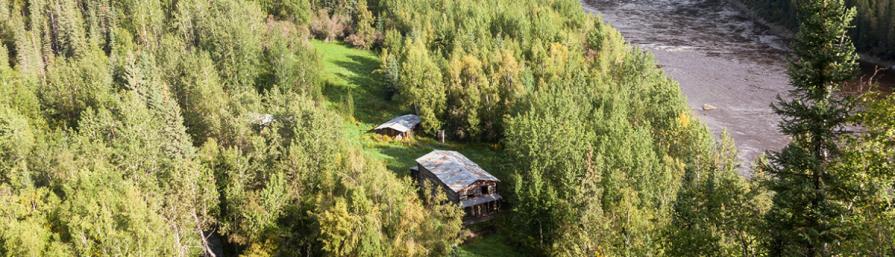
400, 127
464, 182
260, 120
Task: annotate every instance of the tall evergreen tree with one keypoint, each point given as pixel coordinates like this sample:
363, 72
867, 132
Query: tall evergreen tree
803, 219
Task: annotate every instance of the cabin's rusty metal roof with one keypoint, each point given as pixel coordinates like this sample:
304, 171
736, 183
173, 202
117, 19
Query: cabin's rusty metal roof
453, 169
402, 123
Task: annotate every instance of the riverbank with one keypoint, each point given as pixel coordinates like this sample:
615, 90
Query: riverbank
779, 30
788, 34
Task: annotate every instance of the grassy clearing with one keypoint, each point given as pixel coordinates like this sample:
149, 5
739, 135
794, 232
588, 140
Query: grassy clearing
352, 72
491, 245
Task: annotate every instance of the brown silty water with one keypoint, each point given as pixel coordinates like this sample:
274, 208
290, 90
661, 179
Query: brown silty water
722, 59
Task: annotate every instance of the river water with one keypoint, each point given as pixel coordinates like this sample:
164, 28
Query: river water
730, 68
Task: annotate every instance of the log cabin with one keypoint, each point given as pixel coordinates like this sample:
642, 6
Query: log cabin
463, 181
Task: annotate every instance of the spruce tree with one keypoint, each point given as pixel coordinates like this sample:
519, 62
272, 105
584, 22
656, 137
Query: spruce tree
803, 219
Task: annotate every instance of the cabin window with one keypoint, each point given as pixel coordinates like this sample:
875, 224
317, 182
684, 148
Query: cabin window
486, 190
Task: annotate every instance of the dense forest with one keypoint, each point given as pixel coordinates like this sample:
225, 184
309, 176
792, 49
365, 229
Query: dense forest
150, 128
135, 128
874, 26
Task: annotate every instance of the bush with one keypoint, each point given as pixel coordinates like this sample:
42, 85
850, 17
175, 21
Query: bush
329, 27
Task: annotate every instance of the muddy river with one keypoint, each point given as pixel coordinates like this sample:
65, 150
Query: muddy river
729, 67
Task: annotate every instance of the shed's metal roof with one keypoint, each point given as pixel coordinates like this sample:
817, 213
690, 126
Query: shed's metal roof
453, 169
261, 119
402, 123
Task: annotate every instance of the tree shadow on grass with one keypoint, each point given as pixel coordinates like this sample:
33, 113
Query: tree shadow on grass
365, 67
370, 94
491, 245
403, 156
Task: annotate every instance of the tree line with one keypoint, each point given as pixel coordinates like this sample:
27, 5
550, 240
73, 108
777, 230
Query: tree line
874, 25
